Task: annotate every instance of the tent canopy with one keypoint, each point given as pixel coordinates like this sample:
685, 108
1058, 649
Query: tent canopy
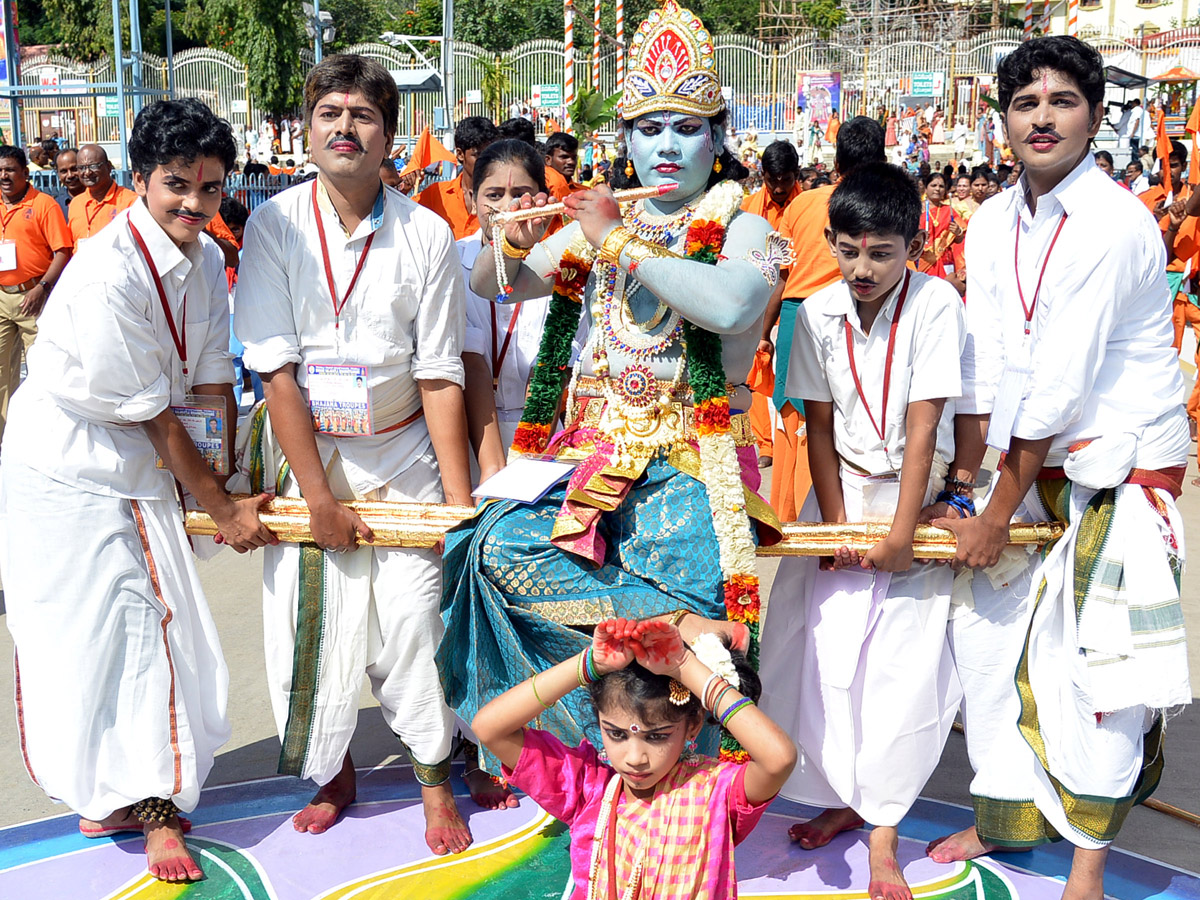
1122, 78
1177, 75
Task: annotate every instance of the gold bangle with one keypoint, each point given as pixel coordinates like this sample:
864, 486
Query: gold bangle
678, 616
639, 251
533, 684
511, 250
614, 243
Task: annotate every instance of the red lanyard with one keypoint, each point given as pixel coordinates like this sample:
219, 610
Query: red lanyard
498, 356
333, 295
177, 335
887, 371
1029, 310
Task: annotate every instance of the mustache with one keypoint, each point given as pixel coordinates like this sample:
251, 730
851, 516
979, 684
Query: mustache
1047, 131
191, 214
339, 137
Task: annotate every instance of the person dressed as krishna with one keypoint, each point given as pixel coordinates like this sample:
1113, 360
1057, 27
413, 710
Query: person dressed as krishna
661, 516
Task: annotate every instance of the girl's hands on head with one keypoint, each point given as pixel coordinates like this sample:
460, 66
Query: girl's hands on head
611, 649
659, 647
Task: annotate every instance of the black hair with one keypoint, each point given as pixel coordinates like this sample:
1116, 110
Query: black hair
475, 133
807, 172
1178, 153
859, 141
561, 140
780, 159
877, 198
960, 176
511, 150
185, 129
234, 212
942, 175
8, 151
980, 172
518, 129
1081, 62
1136, 162
732, 168
64, 150
1104, 155
822, 180
1003, 171
647, 695
346, 72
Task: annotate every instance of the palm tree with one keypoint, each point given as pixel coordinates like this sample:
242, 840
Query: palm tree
496, 84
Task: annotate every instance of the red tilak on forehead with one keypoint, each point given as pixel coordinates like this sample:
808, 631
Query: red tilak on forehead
864, 242
346, 100
200, 173
1045, 90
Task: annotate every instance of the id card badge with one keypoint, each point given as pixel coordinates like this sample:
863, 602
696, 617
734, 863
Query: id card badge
203, 416
1010, 393
339, 399
8, 256
881, 496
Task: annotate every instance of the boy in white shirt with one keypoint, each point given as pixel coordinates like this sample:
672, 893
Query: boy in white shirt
876, 362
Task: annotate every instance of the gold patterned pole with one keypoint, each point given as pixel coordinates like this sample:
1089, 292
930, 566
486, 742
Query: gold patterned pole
423, 525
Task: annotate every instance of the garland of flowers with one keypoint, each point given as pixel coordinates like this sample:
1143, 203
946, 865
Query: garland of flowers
554, 351
720, 469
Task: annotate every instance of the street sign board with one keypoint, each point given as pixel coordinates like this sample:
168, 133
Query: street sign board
928, 84
547, 95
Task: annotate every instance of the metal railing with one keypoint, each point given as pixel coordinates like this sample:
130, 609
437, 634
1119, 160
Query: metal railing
762, 77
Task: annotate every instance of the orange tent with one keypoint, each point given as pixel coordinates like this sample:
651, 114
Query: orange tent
427, 152
1177, 75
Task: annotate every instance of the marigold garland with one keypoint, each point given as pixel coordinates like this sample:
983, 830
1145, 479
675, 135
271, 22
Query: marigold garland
554, 352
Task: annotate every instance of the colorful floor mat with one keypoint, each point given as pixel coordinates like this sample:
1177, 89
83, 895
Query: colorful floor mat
249, 851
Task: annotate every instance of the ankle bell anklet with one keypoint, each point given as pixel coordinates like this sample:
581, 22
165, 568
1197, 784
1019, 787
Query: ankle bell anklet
154, 809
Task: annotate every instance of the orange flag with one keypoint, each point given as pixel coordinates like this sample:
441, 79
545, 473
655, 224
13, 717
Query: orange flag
1162, 149
1193, 128
427, 152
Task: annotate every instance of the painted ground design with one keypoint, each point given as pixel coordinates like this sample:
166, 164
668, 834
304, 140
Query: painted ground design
249, 852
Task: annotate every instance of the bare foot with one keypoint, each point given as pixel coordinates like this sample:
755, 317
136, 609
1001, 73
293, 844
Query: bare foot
167, 856
120, 821
961, 845
1086, 881
824, 828
323, 810
692, 626
489, 791
887, 880
445, 831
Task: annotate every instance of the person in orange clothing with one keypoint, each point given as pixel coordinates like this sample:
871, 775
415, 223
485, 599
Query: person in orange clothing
449, 199
781, 176
1181, 236
860, 141
35, 245
220, 232
101, 199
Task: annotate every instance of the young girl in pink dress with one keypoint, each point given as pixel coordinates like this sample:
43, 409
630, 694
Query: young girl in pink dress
648, 818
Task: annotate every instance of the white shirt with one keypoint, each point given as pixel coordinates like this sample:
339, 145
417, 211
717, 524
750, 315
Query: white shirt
104, 360
487, 327
1101, 331
1140, 185
405, 318
929, 338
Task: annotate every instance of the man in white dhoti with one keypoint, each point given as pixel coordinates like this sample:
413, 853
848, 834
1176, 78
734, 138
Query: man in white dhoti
1069, 368
121, 685
855, 661
351, 306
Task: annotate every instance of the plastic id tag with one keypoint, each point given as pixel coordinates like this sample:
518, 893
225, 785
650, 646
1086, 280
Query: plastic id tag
881, 496
339, 399
8, 256
203, 416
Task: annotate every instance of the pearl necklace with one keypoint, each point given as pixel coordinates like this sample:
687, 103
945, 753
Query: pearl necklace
622, 331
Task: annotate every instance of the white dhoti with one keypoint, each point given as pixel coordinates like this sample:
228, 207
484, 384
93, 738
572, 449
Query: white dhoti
857, 669
1067, 670
121, 685
330, 617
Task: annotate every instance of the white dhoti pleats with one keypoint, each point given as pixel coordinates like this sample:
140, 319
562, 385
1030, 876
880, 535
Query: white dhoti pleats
857, 669
331, 617
121, 686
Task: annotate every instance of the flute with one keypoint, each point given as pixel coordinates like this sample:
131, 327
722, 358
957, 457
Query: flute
553, 209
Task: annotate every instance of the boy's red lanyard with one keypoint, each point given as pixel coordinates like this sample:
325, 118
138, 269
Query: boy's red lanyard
1029, 310
498, 355
333, 295
178, 336
881, 426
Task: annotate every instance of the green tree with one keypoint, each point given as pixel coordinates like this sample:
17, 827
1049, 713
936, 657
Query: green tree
823, 15
496, 84
267, 35
591, 110
83, 28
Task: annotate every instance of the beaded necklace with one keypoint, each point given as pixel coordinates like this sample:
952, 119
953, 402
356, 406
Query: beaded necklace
658, 229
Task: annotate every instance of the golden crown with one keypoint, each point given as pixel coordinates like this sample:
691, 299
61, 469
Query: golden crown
672, 66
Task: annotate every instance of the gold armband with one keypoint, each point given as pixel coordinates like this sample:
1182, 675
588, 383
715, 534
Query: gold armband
614, 243
639, 251
511, 250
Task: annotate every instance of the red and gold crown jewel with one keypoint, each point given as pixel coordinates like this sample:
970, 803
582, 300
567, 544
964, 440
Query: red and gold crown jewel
673, 66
